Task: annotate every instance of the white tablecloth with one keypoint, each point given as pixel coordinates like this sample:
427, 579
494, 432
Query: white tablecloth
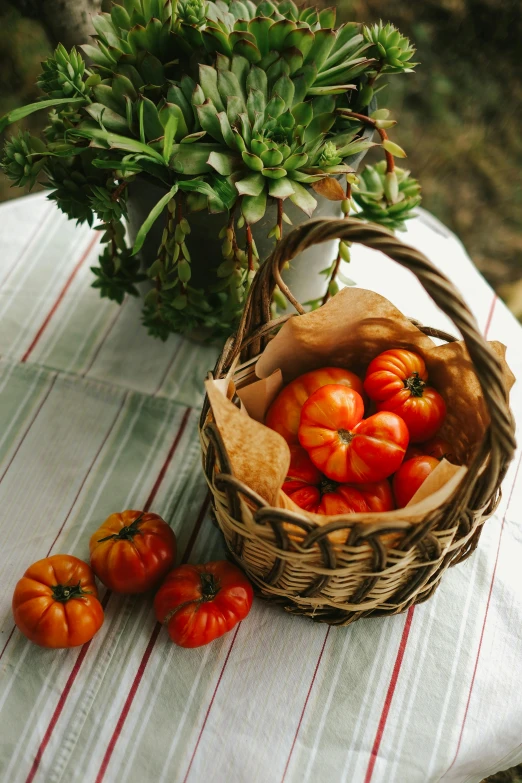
95, 417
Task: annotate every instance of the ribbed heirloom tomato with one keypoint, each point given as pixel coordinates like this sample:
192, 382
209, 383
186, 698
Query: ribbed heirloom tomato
410, 476
312, 491
397, 381
132, 551
283, 415
199, 603
343, 445
436, 447
55, 603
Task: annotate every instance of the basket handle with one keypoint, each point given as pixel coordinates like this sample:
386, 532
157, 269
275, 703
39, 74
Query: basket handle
257, 312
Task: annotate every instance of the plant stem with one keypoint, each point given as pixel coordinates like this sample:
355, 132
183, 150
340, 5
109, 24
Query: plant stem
335, 272
371, 80
390, 162
116, 193
249, 248
280, 218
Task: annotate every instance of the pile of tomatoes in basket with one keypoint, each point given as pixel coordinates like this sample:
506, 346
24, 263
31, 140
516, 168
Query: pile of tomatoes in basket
55, 603
345, 462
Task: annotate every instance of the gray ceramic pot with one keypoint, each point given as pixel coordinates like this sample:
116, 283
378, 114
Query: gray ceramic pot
303, 278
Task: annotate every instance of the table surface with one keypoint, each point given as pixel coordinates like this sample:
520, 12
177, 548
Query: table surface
95, 417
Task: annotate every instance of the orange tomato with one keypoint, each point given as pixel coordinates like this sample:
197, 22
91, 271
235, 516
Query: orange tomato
343, 445
132, 551
283, 415
410, 476
312, 491
397, 381
55, 603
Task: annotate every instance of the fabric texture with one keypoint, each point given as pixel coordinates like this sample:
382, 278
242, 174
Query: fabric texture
96, 417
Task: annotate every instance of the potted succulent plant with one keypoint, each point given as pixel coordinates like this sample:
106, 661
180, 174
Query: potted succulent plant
210, 125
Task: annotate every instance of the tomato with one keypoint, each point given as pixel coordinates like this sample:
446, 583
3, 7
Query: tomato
343, 445
410, 476
132, 551
283, 414
312, 491
436, 447
396, 381
55, 603
199, 603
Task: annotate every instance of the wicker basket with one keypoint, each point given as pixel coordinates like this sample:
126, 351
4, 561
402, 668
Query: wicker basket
312, 575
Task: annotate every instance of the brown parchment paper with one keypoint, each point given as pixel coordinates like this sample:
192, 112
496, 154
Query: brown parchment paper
349, 331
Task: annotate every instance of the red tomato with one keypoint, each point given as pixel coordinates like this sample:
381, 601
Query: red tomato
396, 381
283, 415
55, 603
132, 551
410, 476
199, 603
436, 447
343, 445
313, 492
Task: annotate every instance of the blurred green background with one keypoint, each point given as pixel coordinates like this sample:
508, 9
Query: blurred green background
460, 114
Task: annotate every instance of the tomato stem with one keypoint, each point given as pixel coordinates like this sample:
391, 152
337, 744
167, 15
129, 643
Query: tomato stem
345, 436
327, 485
127, 533
64, 593
415, 384
209, 586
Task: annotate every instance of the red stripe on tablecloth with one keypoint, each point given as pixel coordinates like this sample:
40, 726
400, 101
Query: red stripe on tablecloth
167, 462
12, 460
59, 299
389, 695
128, 702
27, 245
210, 705
305, 704
102, 341
144, 661
169, 366
493, 575
102, 444
490, 315
61, 703
404, 640
76, 668
77, 496
8, 640
51, 385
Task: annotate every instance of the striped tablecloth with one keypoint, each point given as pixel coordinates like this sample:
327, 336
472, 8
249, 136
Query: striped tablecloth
95, 417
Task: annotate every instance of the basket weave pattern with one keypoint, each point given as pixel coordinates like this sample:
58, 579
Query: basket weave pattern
371, 569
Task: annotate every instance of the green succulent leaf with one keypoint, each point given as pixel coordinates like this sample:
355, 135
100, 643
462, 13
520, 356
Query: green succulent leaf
251, 185
252, 161
15, 115
393, 149
107, 118
208, 79
274, 173
281, 188
303, 199
151, 219
168, 138
192, 159
261, 27
257, 80
223, 162
253, 207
